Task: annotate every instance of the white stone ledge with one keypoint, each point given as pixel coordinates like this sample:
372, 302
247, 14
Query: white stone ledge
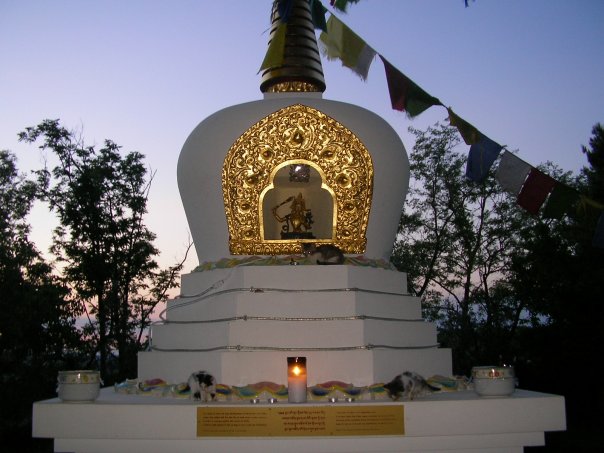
242, 367
457, 421
508, 443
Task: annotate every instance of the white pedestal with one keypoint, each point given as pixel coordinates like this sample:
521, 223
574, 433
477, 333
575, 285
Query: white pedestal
454, 422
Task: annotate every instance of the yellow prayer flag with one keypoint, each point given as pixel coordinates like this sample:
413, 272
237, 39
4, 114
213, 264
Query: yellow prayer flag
276, 49
469, 133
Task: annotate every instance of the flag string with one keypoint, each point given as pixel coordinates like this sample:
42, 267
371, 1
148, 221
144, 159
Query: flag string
535, 191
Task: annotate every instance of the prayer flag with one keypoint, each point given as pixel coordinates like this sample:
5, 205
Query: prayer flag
598, 238
587, 205
318, 14
469, 133
406, 95
481, 158
511, 172
285, 8
341, 4
535, 190
561, 201
591, 210
276, 49
341, 42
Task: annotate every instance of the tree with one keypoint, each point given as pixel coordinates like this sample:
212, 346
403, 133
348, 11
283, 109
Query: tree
594, 174
456, 239
106, 250
500, 281
38, 336
559, 273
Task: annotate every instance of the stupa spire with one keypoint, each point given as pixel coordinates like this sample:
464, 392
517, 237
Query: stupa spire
301, 69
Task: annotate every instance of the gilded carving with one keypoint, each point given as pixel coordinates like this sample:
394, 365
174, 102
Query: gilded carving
296, 134
293, 86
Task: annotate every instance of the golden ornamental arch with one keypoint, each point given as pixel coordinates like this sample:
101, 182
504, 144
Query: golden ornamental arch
296, 133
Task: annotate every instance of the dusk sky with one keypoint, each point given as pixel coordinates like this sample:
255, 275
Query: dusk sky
143, 73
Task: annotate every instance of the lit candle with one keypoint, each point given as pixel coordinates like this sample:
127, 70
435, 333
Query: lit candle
296, 379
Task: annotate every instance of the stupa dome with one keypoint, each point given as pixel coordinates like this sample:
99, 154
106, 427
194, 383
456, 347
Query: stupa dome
232, 167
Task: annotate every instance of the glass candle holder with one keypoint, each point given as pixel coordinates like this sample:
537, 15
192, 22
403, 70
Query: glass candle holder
296, 379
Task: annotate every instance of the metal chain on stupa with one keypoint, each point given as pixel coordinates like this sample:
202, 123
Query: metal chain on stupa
203, 296
283, 318
243, 348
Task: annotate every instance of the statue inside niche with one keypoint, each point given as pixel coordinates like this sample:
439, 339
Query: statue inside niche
298, 219
299, 173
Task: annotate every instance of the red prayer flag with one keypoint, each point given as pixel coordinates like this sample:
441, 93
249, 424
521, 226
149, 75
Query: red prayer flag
535, 190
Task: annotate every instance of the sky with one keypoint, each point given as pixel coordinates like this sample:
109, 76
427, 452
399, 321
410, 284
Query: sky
143, 73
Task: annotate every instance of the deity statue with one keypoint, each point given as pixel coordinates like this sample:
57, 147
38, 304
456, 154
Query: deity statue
298, 219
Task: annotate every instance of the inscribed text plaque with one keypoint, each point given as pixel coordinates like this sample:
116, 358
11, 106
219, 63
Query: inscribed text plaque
284, 421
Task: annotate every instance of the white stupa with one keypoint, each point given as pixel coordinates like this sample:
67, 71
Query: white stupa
255, 300
240, 317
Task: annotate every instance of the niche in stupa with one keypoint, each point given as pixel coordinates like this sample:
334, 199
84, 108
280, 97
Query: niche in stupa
297, 205
271, 211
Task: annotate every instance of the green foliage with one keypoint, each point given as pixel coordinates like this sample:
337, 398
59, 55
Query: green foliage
38, 336
456, 241
560, 274
106, 250
107, 272
503, 285
594, 174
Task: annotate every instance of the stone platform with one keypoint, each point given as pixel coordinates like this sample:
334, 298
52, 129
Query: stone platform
454, 422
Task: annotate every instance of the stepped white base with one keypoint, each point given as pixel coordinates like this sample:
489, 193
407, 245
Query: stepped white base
353, 324
453, 422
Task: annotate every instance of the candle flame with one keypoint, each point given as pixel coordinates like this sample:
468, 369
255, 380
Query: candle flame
296, 370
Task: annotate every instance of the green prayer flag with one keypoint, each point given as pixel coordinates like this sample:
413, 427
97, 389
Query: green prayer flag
405, 94
276, 49
469, 133
561, 201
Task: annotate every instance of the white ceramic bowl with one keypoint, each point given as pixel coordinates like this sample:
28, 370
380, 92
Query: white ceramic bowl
494, 380
79, 385
79, 377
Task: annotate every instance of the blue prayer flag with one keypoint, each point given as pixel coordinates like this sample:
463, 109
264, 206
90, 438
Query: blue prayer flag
481, 158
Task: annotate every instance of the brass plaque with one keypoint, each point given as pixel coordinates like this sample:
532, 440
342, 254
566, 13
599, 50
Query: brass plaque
284, 421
